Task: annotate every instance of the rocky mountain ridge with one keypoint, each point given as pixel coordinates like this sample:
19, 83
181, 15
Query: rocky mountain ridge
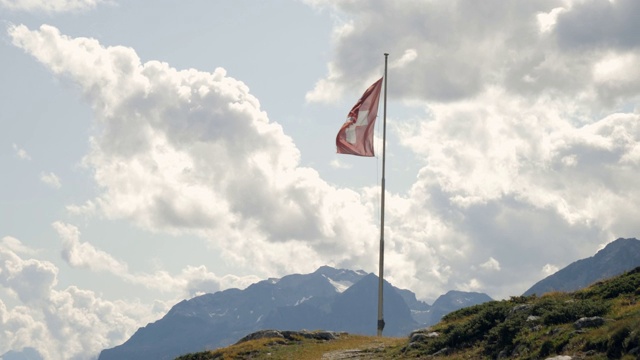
617, 257
335, 299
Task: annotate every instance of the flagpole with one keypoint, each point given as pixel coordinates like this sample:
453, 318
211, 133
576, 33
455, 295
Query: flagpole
381, 264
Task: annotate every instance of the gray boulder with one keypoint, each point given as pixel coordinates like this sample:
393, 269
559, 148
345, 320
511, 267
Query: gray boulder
588, 322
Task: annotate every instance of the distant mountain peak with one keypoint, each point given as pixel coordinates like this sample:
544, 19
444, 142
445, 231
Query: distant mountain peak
27, 353
340, 279
330, 271
614, 259
622, 241
615, 247
329, 298
340, 286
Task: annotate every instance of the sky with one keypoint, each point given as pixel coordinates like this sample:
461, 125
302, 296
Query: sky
154, 151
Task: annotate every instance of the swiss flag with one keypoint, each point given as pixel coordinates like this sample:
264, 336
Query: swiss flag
356, 135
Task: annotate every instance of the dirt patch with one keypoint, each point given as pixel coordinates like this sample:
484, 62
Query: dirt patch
369, 352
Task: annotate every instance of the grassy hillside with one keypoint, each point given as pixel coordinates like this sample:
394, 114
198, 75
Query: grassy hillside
600, 322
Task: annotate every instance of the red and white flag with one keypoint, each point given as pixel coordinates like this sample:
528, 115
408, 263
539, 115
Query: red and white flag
356, 135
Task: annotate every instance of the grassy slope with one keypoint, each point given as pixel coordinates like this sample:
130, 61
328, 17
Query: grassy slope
518, 328
368, 346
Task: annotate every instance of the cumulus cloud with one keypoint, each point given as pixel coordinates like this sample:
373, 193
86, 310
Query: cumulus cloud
51, 180
191, 281
491, 264
82, 254
21, 153
75, 323
15, 245
192, 152
61, 324
472, 285
518, 180
449, 51
51, 6
456, 50
29, 279
549, 269
528, 138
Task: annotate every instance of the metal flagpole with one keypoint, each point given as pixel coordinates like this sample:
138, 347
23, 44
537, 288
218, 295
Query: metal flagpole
381, 264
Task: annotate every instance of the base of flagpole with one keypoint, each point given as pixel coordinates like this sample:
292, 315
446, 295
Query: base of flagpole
380, 327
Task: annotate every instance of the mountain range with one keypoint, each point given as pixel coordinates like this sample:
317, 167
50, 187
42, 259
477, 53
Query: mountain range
333, 299
336, 299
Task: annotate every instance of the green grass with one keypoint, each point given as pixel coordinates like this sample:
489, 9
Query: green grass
300, 348
506, 327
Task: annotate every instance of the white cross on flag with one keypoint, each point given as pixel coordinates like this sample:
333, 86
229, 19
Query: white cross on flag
356, 135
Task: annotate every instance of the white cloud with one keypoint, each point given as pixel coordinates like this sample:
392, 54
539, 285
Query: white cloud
462, 45
15, 245
61, 324
88, 208
491, 264
29, 279
191, 281
513, 177
51, 6
616, 76
339, 164
51, 180
549, 269
82, 254
472, 285
547, 21
21, 153
220, 169
531, 49
326, 90
409, 56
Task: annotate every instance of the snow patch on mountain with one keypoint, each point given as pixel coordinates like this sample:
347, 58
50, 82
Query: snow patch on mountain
302, 300
340, 286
